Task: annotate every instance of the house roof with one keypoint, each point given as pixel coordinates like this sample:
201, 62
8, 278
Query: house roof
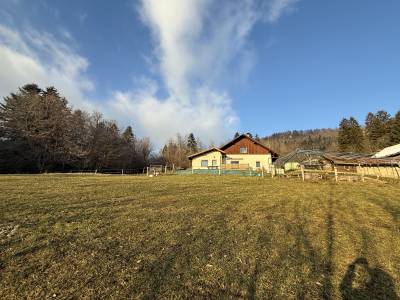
204, 152
388, 152
251, 139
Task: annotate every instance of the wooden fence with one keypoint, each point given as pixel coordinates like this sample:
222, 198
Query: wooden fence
362, 173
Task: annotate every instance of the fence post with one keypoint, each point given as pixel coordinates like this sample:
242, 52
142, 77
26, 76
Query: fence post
395, 168
362, 173
302, 173
165, 172
122, 171
147, 171
336, 174
262, 171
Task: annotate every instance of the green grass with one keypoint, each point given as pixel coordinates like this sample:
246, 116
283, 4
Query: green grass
197, 237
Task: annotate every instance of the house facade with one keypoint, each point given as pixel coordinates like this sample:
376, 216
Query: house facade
242, 153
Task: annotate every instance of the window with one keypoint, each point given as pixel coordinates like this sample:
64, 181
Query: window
243, 149
258, 164
234, 162
214, 162
204, 163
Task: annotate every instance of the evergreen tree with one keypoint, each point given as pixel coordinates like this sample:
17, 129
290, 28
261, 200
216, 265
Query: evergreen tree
395, 130
343, 135
128, 135
237, 134
39, 121
191, 143
249, 135
350, 138
377, 128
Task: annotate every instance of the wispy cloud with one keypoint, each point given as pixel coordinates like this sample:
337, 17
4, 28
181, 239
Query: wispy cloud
277, 8
198, 45
33, 56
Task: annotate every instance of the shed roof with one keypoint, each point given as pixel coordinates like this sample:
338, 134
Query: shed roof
388, 152
359, 159
339, 158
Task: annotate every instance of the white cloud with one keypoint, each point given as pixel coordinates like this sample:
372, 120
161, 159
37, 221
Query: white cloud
279, 7
37, 57
199, 45
209, 116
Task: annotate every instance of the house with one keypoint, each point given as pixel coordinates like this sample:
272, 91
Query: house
242, 153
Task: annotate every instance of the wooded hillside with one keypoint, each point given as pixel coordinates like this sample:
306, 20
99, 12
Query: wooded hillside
288, 141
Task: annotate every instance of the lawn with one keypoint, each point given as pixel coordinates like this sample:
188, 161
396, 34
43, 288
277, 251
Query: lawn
70, 236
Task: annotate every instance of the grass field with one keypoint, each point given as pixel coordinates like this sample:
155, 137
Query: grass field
197, 237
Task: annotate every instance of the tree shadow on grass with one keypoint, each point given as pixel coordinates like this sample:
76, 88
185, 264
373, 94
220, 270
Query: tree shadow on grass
321, 263
364, 282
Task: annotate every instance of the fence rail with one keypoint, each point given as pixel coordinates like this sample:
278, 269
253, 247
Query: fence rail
138, 171
235, 166
340, 175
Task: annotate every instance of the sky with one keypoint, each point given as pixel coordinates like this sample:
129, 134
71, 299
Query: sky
211, 67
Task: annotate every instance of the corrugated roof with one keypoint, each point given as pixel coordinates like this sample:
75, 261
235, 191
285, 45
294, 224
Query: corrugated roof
340, 158
359, 159
388, 152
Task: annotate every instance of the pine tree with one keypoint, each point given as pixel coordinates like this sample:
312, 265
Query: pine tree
343, 135
237, 134
350, 138
191, 143
128, 135
395, 130
356, 136
377, 128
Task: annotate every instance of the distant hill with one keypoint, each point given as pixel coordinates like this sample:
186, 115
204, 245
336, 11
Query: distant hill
286, 142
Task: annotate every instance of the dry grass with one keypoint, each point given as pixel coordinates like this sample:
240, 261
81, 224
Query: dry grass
197, 237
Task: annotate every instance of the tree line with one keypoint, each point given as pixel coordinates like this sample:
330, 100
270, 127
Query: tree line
39, 132
380, 130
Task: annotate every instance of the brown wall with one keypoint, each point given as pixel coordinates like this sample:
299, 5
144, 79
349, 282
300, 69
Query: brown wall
252, 148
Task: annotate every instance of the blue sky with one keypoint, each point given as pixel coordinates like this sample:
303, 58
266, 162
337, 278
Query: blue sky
207, 66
